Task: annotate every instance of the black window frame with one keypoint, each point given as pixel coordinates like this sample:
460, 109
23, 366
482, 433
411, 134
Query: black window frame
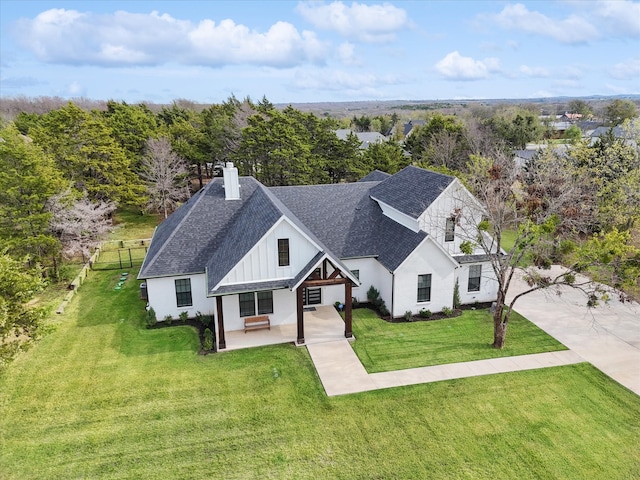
284, 259
265, 304
251, 302
356, 273
473, 284
450, 230
424, 287
184, 298
247, 304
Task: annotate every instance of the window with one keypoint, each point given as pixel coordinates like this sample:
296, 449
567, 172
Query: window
247, 304
265, 302
424, 288
283, 252
450, 229
356, 273
183, 292
262, 302
475, 272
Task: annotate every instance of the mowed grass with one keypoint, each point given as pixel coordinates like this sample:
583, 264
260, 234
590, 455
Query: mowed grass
104, 398
383, 346
130, 224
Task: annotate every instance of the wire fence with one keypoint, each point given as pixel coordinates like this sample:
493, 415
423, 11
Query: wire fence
119, 254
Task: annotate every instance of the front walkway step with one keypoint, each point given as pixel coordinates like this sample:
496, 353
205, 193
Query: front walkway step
342, 373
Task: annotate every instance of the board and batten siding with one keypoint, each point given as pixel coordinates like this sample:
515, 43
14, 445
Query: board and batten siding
162, 296
261, 262
427, 258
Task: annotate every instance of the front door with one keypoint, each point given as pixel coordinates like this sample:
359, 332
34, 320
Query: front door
312, 296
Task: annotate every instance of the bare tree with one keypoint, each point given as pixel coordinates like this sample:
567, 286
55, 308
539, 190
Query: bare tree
165, 174
79, 223
543, 210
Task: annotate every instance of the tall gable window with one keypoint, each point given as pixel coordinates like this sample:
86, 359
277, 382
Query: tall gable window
450, 229
475, 272
283, 252
183, 293
262, 302
424, 288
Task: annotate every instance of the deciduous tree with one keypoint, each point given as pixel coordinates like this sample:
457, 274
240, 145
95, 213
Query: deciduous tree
165, 175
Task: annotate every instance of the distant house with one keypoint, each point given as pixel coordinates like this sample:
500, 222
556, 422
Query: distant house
238, 249
366, 138
410, 126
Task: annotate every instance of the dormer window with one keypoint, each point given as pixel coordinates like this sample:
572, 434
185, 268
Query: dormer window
283, 252
450, 229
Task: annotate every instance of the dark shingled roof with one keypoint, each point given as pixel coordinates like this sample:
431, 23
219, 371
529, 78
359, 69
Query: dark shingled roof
411, 190
349, 222
212, 234
375, 176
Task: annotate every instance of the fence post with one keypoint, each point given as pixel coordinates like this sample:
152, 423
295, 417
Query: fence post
130, 260
120, 259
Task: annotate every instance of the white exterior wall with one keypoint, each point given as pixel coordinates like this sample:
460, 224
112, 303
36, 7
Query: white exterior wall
428, 258
284, 310
434, 219
399, 217
488, 284
261, 262
371, 273
162, 296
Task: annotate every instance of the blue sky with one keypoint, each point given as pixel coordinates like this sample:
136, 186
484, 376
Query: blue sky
158, 51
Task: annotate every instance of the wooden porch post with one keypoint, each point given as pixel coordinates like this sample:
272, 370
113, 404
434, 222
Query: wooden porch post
347, 310
300, 310
222, 343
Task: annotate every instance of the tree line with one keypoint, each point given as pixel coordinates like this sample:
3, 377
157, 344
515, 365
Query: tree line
64, 171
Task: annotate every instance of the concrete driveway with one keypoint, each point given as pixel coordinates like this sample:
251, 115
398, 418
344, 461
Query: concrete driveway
607, 336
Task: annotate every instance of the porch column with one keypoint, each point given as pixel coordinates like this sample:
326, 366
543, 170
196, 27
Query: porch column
300, 310
347, 310
221, 341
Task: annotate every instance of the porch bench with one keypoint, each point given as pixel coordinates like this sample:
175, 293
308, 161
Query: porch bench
256, 323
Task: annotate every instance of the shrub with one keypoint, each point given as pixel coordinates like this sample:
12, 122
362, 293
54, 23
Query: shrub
168, 319
408, 315
184, 316
372, 294
447, 311
204, 320
354, 302
382, 309
207, 344
425, 313
456, 295
152, 319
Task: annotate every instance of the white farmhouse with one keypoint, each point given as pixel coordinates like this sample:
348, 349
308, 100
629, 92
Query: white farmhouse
238, 249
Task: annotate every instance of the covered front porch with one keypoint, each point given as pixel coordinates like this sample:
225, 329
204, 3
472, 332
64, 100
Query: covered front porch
322, 323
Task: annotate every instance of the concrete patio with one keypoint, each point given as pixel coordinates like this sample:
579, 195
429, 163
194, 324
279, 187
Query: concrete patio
321, 324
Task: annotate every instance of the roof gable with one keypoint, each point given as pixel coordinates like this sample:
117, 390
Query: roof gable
411, 190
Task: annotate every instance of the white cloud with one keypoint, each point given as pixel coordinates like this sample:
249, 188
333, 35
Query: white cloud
74, 89
456, 67
346, 54
369, 23
627, 70
123, 38
534, 71
619, 17
573, 29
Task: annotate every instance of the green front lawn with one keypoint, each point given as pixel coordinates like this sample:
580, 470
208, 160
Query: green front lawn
383, 346
104, 398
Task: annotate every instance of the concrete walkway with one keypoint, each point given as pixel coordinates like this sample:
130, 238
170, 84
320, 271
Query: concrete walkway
342, 373
608, 337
